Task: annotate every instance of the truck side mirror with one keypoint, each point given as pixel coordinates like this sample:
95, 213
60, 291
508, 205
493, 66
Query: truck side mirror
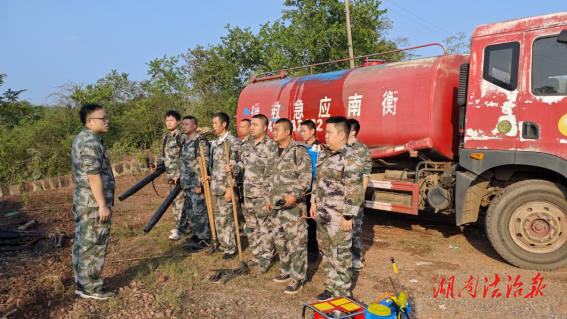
562, 37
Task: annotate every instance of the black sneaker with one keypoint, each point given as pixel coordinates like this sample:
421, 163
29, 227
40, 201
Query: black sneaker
228, 256
294, 287
312, 257
281, 278
99, 295
357, 265
80, 287
195, 246
326, 295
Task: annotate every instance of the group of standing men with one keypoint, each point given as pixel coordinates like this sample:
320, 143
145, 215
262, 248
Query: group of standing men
288, 188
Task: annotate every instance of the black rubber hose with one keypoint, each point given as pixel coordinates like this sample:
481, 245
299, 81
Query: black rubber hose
161, 210
139, 185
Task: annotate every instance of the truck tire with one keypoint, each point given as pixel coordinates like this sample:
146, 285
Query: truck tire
527, 225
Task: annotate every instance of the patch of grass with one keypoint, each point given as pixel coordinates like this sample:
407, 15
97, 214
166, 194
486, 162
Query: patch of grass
142, 159
152, 207
165, 244
114, 303
123, 231
26, 199
420, 247
55, 285
170, 297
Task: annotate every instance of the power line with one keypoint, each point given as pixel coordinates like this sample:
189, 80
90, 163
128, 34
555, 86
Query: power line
415, 15
428, 28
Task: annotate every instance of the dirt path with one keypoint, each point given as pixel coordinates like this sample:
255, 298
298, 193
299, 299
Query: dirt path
155, 278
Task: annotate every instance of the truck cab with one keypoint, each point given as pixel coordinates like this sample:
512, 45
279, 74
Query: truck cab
513, 158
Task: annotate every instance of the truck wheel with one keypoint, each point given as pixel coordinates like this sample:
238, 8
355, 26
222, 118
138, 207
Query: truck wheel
527, 225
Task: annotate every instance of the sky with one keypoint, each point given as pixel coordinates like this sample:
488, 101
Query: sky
46, 44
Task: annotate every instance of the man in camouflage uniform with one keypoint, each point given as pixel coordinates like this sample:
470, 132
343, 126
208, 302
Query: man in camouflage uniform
337, 196
364, 153
169, 158
290, 168
254, 163
314, 147
245, 138
94, 195
220, 187
195, 205
244, 129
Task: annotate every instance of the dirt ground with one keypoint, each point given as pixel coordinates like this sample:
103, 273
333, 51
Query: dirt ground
156, 278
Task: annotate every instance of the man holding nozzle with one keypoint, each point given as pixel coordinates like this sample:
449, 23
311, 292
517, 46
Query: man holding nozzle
169, 158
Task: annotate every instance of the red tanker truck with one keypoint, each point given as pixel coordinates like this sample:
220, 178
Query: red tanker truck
457, 134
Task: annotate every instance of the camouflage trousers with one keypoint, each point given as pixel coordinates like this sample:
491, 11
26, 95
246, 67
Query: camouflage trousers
196, 209
224, 224
290, 237
89, 248
357, 235
179, 214
335, 245
259, 229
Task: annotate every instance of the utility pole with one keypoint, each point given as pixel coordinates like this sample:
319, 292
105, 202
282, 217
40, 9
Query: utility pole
350, 53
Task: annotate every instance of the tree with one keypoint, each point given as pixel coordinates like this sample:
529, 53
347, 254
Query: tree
309, 31
458, 44
316, 30
10, 95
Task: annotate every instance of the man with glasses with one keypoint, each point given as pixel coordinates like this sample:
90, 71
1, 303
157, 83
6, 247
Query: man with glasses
93, 197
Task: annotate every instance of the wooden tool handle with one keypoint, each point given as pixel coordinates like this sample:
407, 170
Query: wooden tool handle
207, 191
231, 184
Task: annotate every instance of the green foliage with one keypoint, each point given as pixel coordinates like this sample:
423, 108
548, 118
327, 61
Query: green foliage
458, 44
36, 140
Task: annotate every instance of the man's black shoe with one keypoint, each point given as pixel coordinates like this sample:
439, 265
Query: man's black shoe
99, 295
312, 257
195, 246
281, 278
294, 287
228, 256
80, 287
326, 295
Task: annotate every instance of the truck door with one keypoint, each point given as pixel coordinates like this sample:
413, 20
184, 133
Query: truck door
543, 114
493, 95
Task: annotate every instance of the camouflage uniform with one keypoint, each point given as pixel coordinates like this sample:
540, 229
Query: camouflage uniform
89, 157
337, 192
254, 163
363, 153
224, 218
290, 175
244, 144
170, 159
195, 205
